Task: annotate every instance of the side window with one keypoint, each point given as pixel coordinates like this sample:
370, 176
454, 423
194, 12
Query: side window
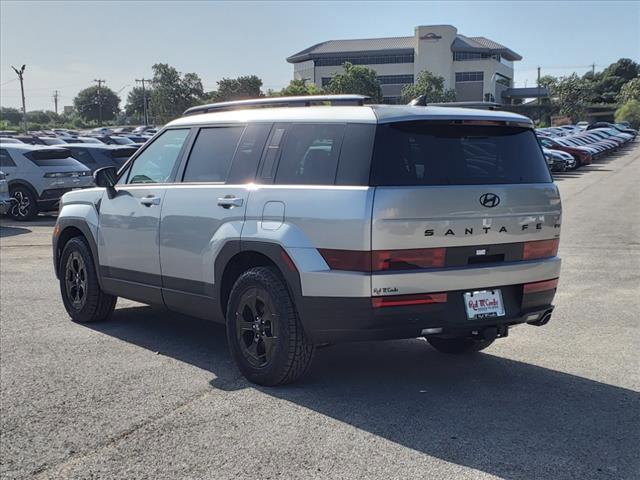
5, 159
272, 153
310, 154
155, 164
211, 154
245, 162
355, 154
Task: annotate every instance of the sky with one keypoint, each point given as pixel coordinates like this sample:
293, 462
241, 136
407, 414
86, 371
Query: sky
66, 45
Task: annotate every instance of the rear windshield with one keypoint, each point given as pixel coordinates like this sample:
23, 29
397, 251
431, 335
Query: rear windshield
123, 152
58, 157
426, 153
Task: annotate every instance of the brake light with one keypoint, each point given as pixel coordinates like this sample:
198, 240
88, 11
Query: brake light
384, 260
404, 300
540, 286
540, 249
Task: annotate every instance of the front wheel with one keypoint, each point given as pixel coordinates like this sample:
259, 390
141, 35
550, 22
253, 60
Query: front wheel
458, 345
25, 208
264, 332
81, 294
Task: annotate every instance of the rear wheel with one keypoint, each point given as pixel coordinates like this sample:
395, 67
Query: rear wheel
81, 294
25, 207
265, 335
458, 345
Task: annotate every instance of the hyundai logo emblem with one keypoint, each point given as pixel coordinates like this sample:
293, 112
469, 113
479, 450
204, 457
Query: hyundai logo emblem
489, 200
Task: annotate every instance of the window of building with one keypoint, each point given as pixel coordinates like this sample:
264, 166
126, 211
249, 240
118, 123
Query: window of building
469, 76
506, 81
211, 154
337, 60
396, 100
155, 164
310, 155
462, 56
395, 79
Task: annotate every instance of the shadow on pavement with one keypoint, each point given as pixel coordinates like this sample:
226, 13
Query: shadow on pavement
504, 417
12, 231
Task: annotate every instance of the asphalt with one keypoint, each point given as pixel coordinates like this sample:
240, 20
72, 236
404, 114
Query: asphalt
154, 395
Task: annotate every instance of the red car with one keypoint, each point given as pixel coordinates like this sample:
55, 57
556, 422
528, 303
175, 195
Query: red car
582, 156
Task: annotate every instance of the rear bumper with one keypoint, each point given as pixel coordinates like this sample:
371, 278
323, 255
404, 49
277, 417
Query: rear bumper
333, 319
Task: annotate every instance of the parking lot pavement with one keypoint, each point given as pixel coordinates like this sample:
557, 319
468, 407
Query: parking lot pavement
155, 395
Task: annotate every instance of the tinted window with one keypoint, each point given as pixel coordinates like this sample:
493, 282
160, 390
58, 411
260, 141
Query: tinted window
211, 154
156, 163
273, 152
83, 156
245, 162
5, 159
422, 153
310, 154
355, 155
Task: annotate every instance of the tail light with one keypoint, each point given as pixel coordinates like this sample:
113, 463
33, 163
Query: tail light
384, 260
404, 300
540, 286
416, 258
540, 249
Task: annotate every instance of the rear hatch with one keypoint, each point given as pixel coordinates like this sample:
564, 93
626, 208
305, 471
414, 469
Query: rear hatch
458, 195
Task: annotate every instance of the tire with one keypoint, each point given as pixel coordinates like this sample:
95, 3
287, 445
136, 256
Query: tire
81, 294
457, 346
264, 332
26, 207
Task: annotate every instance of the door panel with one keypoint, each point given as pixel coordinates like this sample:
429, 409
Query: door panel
128, 236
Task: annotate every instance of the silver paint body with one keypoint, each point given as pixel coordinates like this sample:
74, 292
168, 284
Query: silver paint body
181, 236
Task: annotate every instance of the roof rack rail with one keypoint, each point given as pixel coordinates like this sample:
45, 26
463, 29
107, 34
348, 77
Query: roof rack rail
300, 101
421, 101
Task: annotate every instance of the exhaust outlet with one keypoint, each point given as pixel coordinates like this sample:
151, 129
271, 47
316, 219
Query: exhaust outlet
543, 320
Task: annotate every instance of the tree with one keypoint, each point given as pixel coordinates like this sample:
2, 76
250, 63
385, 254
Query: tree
172, 93
135, 102
297, 88
429, 85
624, 68
88, 101
13, 116
240, 88
629, 112
358, 80
630, 91
572, 94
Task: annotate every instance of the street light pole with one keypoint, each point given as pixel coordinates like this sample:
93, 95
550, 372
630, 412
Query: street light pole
144, 100
20, 74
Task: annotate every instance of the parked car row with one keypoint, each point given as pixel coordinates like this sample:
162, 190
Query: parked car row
38, 175
571, 146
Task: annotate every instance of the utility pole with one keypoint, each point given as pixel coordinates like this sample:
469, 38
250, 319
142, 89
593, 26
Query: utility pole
593, 70
99, 82
538, 85
144, 100
56, 94
20, 74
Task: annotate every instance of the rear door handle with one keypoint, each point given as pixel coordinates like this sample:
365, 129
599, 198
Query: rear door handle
150, 200
229, 202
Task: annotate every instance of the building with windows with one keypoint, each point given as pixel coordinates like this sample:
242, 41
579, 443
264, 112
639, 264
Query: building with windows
479, 69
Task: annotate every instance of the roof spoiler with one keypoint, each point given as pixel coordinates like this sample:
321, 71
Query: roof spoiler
299, 101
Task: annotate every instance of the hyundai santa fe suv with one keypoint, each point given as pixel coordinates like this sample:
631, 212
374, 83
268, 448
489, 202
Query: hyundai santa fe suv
302, 227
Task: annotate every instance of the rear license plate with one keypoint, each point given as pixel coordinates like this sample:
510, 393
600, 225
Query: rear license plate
484, 304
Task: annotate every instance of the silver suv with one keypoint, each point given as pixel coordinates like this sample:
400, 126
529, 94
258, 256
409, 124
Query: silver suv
302, 227
38, 176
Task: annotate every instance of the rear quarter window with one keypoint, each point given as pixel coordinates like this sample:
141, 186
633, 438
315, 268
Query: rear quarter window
426, 153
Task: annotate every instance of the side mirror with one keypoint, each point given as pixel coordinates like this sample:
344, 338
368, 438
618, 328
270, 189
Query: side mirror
105, 177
